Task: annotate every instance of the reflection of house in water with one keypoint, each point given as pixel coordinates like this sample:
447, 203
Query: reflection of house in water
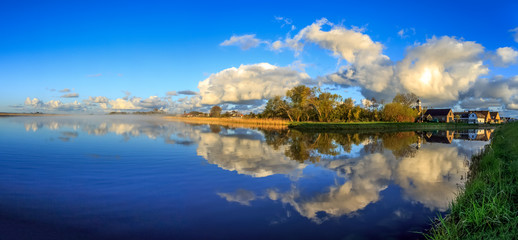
475, 134
439, 136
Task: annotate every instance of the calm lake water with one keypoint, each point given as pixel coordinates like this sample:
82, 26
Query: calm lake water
125, 177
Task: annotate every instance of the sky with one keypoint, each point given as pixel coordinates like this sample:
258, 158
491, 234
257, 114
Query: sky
103, 56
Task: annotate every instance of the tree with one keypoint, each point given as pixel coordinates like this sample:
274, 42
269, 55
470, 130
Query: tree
397, 112
298, 102
276, 107
406, 99
324, 104
215, 111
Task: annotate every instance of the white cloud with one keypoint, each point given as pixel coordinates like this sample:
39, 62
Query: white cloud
249, 83
487, 92
515, 30
245, 42
505, 56
53, 105
99, 99
442, 68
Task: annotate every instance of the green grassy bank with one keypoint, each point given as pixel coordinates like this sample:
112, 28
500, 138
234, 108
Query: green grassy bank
488, 208
383, 126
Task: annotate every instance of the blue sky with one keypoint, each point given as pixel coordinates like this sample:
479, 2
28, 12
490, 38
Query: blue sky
132, 53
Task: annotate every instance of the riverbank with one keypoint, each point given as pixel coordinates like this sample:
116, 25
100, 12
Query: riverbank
383, 126
488, 207
234, 122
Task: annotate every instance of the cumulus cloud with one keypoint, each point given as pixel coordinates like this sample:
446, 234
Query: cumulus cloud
99, 99
489, 91
505, 56
70, 95
65, 90
245, 42
187, 92
442, 68
53, 105
249, 83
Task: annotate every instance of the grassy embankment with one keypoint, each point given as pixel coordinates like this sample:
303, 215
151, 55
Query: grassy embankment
488, 207
234, 122
383, 126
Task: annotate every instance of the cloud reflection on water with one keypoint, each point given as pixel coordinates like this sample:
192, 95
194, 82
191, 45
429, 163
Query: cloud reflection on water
429, 173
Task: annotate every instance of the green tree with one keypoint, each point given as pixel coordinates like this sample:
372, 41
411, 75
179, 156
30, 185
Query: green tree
298, 103
215, 111
405, 99
276, 107
324, 104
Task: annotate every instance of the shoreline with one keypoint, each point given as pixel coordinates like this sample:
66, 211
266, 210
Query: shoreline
233, 122
385, 126
488, 206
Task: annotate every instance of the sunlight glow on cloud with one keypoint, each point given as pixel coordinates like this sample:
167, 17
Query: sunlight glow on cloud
248, 83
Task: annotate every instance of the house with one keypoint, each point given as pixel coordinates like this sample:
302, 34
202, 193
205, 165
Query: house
439, 115
495, 117
477, 118
439, 137
461, 117
486, 115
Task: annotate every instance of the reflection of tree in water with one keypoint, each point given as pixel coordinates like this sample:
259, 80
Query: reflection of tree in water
215, 128
304, 146
401, 143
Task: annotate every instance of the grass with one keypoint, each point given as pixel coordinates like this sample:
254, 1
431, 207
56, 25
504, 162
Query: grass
384, 126
488, 207
234, 122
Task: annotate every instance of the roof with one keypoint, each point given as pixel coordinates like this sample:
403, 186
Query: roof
494, 114
480, 115
462, 114
438, 112
485, 113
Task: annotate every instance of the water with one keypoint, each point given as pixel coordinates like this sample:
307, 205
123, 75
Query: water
124, 177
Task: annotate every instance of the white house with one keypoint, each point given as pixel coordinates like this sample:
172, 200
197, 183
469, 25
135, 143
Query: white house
476, 118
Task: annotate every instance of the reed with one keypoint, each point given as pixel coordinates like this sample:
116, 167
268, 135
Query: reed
234, 122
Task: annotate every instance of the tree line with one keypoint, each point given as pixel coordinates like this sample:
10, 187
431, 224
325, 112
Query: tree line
303, 103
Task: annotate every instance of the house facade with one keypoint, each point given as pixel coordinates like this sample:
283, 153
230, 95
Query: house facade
476, 118
495, 117
438, 115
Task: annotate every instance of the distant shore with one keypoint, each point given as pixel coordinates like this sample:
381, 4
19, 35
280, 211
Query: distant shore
384, 126
28, 114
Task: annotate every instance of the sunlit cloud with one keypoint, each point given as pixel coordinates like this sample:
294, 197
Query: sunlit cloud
249, 83
505, 56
